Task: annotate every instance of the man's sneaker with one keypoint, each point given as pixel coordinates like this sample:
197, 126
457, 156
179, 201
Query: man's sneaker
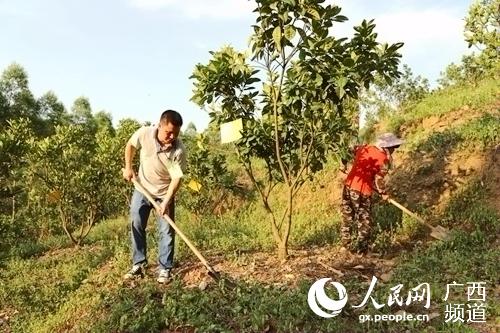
164, 276
135, 272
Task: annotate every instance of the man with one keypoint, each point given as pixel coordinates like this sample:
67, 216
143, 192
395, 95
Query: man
371, 164
162, 158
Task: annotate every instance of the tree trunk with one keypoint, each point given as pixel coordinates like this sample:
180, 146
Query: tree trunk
13, 217
283, 245
68, 233
274, 228
282, 251
64, 221
90, 223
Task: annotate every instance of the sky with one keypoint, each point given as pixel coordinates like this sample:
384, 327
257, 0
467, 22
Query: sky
133, 58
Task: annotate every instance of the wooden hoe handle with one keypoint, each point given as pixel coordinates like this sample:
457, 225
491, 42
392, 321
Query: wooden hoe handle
145, 192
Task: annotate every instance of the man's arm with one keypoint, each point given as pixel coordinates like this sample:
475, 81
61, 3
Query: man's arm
380, 185
172, 189
128, 171
175, 183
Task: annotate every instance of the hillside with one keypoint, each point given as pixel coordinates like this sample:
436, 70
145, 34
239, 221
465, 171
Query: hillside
448, 172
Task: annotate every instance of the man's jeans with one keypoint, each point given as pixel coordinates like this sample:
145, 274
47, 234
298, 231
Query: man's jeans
139, 214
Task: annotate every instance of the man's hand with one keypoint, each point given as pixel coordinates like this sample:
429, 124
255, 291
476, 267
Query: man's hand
163, 208
128, 174
385, 196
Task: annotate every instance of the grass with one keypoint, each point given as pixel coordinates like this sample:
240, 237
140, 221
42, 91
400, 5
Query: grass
36, 287
467, 208
250, 230
482, 132
447, 100
315, 221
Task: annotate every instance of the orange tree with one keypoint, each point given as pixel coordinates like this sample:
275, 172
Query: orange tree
291, 94
74, 175
210, 182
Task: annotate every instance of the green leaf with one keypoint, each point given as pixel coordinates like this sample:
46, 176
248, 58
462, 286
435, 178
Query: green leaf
277, 37
314, 13
340, 18
348, 62
340, 92
318, 80
302, 33
252, 80
289, 32
341, 82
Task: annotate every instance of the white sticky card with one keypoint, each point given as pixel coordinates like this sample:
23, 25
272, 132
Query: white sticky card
174, 169
231, 131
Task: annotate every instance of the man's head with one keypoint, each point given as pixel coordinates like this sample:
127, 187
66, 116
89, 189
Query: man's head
389, 141
170, 127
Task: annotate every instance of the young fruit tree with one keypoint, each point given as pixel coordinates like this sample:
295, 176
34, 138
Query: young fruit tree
208, 179
291, 94
73, 176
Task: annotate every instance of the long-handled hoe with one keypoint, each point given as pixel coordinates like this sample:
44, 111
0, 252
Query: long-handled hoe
211, 271
437, 232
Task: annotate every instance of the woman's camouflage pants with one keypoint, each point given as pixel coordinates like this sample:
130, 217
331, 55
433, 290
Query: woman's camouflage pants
356, 217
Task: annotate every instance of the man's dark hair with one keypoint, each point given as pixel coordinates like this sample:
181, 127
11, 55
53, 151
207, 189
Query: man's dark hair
171, 116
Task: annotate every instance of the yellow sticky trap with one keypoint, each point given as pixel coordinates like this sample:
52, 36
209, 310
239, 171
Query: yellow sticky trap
174, 169
194, 185
231, 131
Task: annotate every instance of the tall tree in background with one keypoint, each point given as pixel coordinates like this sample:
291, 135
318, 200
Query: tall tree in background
15, 142
296, 116
20, 122
104, 122
52, 112
384, 98
16, 99
81, 113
